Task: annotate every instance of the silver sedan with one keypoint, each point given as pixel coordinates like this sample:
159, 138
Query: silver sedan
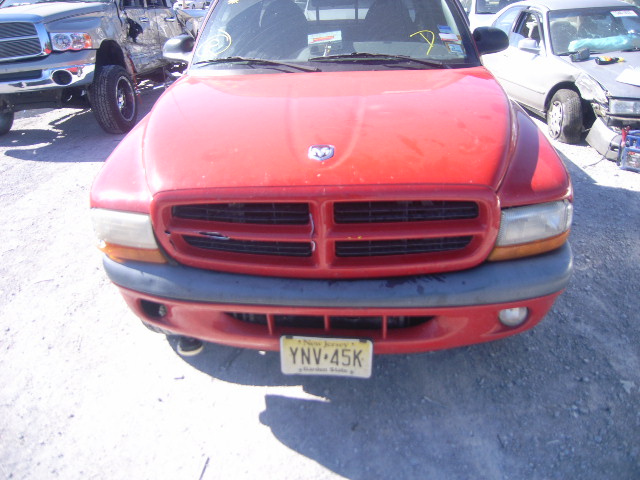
575, 62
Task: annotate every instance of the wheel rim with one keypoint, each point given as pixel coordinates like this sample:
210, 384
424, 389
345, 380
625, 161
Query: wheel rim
125, 99
554, 122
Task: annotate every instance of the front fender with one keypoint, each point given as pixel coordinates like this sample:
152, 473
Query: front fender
121, 183
536, 174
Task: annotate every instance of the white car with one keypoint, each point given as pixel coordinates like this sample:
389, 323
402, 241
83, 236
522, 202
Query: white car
191, 4
575, 62
481, 12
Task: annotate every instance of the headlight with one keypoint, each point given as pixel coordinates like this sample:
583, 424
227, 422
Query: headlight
532, 229
624, 107
126, 236
70, 41
590, 89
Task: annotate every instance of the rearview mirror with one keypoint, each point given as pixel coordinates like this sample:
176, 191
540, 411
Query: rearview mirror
490, 40
179, 48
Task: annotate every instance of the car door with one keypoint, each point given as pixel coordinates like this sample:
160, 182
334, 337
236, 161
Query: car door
142, 38
522, 69
164, 19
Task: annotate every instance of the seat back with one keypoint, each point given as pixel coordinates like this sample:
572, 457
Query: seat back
388, 20
283, 30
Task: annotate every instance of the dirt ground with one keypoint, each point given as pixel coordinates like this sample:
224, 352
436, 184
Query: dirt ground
88, 393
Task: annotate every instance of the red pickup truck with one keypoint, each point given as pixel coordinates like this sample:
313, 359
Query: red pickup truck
334, 179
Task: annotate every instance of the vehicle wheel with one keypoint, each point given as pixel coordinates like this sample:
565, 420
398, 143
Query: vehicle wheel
6, 122
564, 117
113, 99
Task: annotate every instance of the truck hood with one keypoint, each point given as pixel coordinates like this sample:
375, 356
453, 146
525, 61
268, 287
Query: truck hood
50, 11
390, 127
607, 75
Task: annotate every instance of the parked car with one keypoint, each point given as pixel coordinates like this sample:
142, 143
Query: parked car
481, 12
191, 4
62, 54
556, 65
332, 179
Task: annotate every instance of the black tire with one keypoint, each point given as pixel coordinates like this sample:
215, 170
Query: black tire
113, 99
564, 116
6, 122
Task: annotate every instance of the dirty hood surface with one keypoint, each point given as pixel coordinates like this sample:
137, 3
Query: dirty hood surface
607, 75
391, 127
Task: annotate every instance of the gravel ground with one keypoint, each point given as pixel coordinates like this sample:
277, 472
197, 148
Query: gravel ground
87, 392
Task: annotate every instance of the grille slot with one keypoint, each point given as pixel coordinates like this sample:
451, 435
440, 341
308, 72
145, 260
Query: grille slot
400, 247
287, 249
250, 213
403, 211
20, 48
10, 77
19, 40
17, 29
335, 322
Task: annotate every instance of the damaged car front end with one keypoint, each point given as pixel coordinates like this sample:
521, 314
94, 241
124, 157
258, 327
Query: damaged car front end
615, 103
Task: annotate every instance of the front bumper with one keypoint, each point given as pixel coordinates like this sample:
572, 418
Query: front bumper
462, 307
604, 140
57, 70
607, 142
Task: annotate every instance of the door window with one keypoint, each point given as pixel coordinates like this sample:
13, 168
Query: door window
132, 3
528, 27
505, 21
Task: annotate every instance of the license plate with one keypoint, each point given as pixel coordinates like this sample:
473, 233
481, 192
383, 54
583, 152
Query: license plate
340, 357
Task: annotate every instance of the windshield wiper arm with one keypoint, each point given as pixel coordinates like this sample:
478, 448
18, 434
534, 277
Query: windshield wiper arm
356, 56
257, 61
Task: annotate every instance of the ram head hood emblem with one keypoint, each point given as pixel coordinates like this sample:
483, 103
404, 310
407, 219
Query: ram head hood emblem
321, 152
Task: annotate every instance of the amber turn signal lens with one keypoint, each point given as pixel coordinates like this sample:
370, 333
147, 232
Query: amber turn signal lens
528, 249
121, 254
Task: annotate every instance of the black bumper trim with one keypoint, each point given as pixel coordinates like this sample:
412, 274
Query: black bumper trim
489, 283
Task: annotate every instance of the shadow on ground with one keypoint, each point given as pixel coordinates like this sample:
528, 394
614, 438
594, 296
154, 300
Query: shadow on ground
76, 131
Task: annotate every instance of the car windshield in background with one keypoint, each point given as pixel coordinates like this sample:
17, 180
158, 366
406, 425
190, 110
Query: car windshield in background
601, 30
492, 6
335, 34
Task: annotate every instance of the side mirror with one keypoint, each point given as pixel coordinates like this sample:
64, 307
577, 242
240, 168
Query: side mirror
179, 48
490, 40
529, 45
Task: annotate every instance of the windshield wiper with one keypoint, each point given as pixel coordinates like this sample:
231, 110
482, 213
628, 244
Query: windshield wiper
257, 61
380, 57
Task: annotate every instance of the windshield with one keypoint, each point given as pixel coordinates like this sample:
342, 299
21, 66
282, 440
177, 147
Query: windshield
601, 30
335, 34
15, 3
492, 6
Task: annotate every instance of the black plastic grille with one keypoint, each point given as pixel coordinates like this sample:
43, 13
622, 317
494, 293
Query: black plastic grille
253, 213
335, 322
287, 249
403, 211
10, 77
400, 247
